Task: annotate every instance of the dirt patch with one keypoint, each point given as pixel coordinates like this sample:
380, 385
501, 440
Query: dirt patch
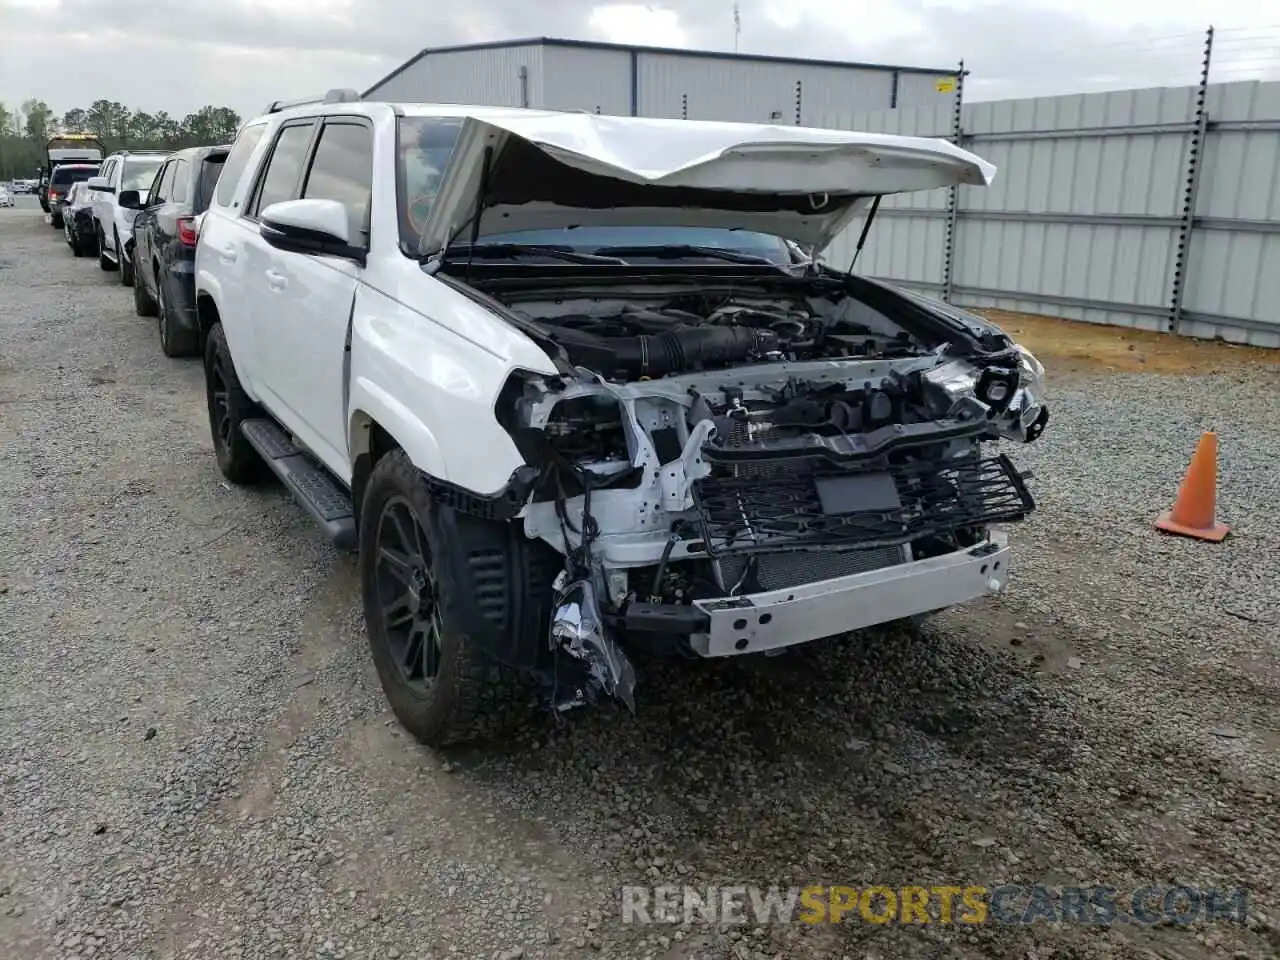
1072, 346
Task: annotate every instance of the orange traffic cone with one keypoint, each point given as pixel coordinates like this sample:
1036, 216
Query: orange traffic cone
1193, 512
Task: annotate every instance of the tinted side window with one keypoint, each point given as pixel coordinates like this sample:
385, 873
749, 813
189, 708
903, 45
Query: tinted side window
284, 167
208, 181
179, 186
343, 170
237, 160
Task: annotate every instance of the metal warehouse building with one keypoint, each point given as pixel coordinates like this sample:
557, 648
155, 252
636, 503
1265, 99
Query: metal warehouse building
658, 82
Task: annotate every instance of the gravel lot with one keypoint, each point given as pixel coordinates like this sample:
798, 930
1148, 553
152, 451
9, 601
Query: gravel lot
196, 759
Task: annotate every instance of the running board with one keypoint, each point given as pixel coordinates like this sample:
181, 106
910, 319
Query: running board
328, 504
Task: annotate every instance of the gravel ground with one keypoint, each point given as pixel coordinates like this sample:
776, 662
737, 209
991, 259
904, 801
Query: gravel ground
196, 760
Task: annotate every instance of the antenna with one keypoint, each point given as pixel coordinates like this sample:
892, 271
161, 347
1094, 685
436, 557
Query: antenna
737, 23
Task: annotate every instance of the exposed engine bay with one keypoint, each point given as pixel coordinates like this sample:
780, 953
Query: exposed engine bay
704, 446
630, 341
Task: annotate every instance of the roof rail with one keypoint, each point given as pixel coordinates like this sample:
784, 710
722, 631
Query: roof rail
336, 95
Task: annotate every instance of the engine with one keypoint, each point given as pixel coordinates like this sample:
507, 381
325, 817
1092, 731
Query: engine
636, 342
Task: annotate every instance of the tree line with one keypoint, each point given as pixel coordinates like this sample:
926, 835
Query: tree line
25, 130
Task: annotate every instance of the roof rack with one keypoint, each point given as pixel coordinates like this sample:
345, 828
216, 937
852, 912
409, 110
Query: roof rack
336, 95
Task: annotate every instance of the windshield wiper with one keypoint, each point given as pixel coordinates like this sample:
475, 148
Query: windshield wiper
678, 251
514, 250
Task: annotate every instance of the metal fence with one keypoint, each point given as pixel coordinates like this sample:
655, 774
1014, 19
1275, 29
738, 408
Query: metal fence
1157, 209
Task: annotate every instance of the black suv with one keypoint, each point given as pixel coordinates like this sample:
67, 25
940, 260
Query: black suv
163, 247
60, 181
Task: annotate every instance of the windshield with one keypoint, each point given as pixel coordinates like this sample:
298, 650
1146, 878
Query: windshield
426, 143
425, 146
138, 174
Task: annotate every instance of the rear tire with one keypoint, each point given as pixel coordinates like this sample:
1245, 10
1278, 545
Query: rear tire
55, 221
175, 340
126, 266
104, 262
229, 406
440, 685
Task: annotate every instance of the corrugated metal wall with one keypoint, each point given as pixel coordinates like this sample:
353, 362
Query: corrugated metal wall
491, 76
671, 85
582, 78
1088, 210
711, 88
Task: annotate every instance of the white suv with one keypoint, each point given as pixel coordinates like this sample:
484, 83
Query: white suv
571, 386
113, 223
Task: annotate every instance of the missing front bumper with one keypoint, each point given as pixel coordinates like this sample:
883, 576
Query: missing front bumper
807, 503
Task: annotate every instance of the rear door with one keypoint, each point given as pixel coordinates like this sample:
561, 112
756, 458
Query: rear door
264, 284
177, 192
146, 227
220, 252
103, 200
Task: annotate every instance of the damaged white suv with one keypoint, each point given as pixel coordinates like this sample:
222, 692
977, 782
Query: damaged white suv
575, 385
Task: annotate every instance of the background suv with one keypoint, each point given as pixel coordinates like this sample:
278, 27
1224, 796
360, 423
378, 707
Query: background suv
60, 182
77, 220
163, 246
120, 171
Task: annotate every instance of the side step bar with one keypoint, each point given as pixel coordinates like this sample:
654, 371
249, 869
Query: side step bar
310, 485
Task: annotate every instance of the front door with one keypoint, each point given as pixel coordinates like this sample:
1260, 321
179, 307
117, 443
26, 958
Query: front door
303, 302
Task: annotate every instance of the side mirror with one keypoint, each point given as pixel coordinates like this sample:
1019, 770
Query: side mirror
310, 226
100, 184
130, 199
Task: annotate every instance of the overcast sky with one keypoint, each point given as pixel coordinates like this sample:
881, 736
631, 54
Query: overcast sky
176, 56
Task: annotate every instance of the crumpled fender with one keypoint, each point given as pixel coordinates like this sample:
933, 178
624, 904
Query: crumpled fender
369, 402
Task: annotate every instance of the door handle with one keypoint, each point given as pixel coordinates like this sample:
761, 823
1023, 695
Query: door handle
228, 254
276, 281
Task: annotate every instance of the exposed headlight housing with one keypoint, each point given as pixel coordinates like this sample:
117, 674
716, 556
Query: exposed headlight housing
1010, 395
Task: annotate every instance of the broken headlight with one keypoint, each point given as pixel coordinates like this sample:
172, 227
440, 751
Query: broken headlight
1008, 395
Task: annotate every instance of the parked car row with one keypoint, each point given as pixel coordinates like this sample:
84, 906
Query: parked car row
138, 214
576, 387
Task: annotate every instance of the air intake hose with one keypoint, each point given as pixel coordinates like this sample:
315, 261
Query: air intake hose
687, 348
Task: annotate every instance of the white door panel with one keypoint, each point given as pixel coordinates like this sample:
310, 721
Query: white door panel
301, 305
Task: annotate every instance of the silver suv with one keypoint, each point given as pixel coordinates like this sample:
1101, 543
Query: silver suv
113, 223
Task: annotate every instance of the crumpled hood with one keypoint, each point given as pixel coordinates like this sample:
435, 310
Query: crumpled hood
556, 170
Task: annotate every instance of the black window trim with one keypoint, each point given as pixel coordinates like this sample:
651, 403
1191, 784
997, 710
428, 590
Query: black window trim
260, 176
159, 179
350, 120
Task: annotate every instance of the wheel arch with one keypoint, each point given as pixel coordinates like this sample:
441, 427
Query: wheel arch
206, 312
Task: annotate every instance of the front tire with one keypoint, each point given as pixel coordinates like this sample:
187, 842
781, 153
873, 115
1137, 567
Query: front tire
229, 406
439, 684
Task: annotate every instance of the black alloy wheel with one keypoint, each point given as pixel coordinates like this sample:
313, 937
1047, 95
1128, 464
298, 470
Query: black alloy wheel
407, 596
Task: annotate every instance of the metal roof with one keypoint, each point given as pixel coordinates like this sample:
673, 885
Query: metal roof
671, 51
